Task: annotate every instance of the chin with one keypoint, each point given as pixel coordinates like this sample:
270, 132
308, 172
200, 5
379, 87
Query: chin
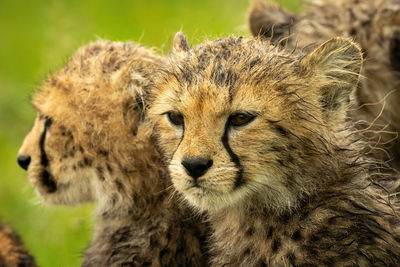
67, 193
213, 201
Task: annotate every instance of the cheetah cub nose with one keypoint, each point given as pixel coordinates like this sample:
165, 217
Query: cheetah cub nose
196, 167
24, 161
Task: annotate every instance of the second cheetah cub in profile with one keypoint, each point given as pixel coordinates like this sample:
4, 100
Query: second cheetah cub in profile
91, 142
257, 137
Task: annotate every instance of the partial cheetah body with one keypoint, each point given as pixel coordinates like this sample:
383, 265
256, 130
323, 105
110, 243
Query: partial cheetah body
92, 142
375, 25
12, 251
257, 137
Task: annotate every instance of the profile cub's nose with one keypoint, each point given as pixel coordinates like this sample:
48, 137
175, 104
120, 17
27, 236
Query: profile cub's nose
196, 167
24, 161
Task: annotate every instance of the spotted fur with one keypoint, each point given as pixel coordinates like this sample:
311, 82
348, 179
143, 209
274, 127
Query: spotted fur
290, 184
92, 142
375, 25
12, 251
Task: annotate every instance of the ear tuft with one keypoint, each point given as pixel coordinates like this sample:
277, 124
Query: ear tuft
335, 66
180, 43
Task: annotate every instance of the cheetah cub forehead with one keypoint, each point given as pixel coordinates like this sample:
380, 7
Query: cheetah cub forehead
242, 121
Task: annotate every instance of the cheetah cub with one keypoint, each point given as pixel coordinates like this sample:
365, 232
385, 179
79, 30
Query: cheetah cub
91, 142
257, 137
375, 25
12, 251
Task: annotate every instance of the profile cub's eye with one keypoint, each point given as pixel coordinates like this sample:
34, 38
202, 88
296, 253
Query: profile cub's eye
240, 119
175, 118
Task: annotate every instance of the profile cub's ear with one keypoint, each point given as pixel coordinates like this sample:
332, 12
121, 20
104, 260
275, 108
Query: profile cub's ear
180, 43
334, 69
270, 20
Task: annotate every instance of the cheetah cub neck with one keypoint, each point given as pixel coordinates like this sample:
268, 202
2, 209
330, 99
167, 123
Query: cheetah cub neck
255, 136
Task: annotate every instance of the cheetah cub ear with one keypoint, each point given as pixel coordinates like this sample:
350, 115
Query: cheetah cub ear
180, 44
334, 70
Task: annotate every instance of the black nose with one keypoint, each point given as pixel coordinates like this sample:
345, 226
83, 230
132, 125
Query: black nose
24, 161
196, 167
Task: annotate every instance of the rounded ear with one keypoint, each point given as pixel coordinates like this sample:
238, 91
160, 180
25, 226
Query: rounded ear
334, 68
180, 43
270, 20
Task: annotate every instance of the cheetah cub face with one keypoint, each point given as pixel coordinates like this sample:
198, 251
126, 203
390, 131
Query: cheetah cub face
55, 162
87, 113
239, 121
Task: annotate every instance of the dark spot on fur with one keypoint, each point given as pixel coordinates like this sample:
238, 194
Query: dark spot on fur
250, 231
262, 263
119, 185
87, 162
81, 164
314, 238
153, 241
114, 198
276, 244
169, 235
280, 162
281, 130
277, 148
284, 219
100, 173
105, 215
109, 169
296, 236
270, 231
103, 153
134, 130
163, 254
247, 252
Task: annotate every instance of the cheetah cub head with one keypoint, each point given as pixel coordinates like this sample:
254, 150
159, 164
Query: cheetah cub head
87, 113
241, 121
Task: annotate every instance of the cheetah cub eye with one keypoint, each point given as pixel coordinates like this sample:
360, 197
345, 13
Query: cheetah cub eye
240, 119
175, 118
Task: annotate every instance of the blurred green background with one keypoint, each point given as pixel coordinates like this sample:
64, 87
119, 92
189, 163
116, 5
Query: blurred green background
36, 38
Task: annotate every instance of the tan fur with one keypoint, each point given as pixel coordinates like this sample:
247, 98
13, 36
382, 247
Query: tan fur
292, 187
12, 251
91, 127
375, 25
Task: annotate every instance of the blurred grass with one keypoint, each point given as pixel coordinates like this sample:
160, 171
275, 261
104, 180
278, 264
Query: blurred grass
37, 37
